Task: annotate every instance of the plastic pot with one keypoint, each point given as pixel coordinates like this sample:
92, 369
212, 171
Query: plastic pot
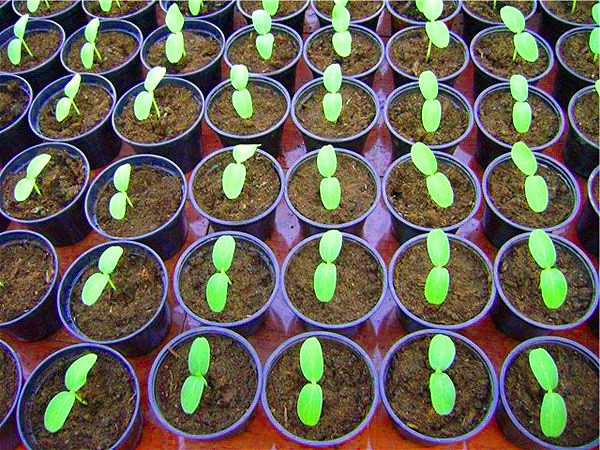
260, 226
345, 329
404, 230
9, 436
185, 149
497, 227
7, 14
553, 26
295, 20
310, 227
473, 24
206, 77
580, 152
67, 226
41, 320
144, 19
327, 336
165, 240
222, 18
100, 144
130, 437
369, 21
70, 18
587, 224
404, 429
398, 21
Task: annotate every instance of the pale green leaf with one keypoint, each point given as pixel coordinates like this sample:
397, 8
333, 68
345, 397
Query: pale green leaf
23, 189
261, 20
174, 47
63, 108
234, 177
325, 281
37, 164
523, 158
544, 368
432, 9
437, 284
78, 371
330, 192
440, 189
310, 404
72, 87
154, 77
342, 43
330, 245
142, 105
199, 357
553, 285
519, 89
264, 45
553, 415
105, 5
93, 287
91, 30
327, 161
243, 152
438, 247
110, 258
121, 177
332, 106
542, 249
20, 26
423, 158
174, 19
536, 193
311, 359
431, 115
242, 103
521, 116
438, 33
239, 77
332, 78
191, 393
223, 251
526, 46
117, 206
512, 18
442, 392
58, 410
14, 51
87, 54
594, 40
216, 291
195, 6
428, 85
271, 6
340, 18
596, 13
441, 352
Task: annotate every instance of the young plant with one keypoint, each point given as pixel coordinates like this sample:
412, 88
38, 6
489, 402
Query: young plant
441, 355
119, 201
332, 101
61, 404
234, 175
193, 386
95, 284
310, 400
431, 112
536, 189
340, 19
106, 5
521, 113
26, 185
270, 6
329, 188
241, 98
261, 20
89, 49
195, 6
63, 107
145, 100
437, 31
438, 185
218, 283
34, 5
553, 412
325, 277
175, 45
438, 278
18, 43
524, 42
595, 33
553, 283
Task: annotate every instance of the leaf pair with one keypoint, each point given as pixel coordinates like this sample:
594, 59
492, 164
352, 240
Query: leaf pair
431, 111
106, 5
241, 98
145, 100
310, 400
536, 189
63, 107
218, 283
119, 201
525, 44
521, 113
193, 386
18, 43
261, 20
325, 276
95, 284
438, 278
26, 185
437, 31
438, 185
89, 49
234, 175
330, 189
341, 39
175, 44
553, 283
441, 355
594, 39
332, 100
34, 5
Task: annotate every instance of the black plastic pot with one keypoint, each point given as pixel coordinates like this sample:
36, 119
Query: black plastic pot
222, 18
398, 22
144, 19
9, 435
295, 21
587, 224
552, 26
70, 18
369, 21
580, 153
473, 24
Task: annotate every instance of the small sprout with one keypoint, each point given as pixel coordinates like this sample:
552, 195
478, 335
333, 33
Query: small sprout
521, 113
95, 284
325, 277
437, 31
195, 6
33, 5
431, 112
218, 283
329, 189
89, 49
441, 388
60, 406
438, 278
270, 6
234, 174
341, 39
119, 201
597, 86
145, 100
553, 412
573, 6
594, 40
553, 283
241, 98
175, 45
26, 185
15, 45
310, 399
438, 185
261, 20
63, 107
332, 101
536, 189
525, 45
106, 5
193, 386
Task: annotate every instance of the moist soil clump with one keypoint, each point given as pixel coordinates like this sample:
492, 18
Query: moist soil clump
13, 101
578, 56
408, 9
8, 382
563, 9
200, 50
347, 391
285, 9
587, 116
243, 51
45, 8
210, 6
115, 48
126, 8
43, 45
358, 9
485, 8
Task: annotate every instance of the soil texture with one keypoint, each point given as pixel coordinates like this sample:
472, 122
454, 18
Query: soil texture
587, 116
564, 9
243, 51
485, 8
43, 44
210, 6
358, 9
578, 56
115, 48
125, 8
13, 101
8, 382
286, 8
46, 8
408, 9
200, 50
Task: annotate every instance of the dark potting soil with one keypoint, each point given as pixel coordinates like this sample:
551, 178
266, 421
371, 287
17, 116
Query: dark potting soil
520, 280
261, 188
251, 285
495, 112
269, 106
243, 51
485, 8
358, 288
43, 44
409, 50
8, 382
231, 378
347, 391
46, 8
407, 191
94, 104
156, 196
358, 111
26, 271
110, 406
120, 312
210, 6
562, 8
115, 48
358, 190
506, 188
358, 9
286, 8
470, 284
577, 384
200, 50
13, 101
405, 116
587, 115
179, 109
60, 182
408, 9
126, 7
578, 56
407, 389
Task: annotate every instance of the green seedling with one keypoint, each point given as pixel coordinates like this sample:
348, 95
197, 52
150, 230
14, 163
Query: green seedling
341, 39
89, 49
106, 5
218, 283
62, 403
325, 277
438, 185
310, 400
332, 100
119, 201
553, 412
431, 111
437, 31
194, 384
329, 188
241, 98
195, 6
63, 107
524, 42
441, 355
553, 283
536, 189
34, 5
595, 33
261, 20
145, 100
25, 186
18, 43
521, 113
438, 278
270, 6
95, 284
234, 175
175, 44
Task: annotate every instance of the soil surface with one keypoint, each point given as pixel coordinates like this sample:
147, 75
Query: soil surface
243, 51
407, 389
286, 8
562, 8
8, 383
126, 7
577, 384
210, 6
347, 391
200, 50
232, 384
13, 101
115, 48
358, 289
358, 190
485, 8
358, 9
578, 56
45, 9
409, 10
587, 116
43, 44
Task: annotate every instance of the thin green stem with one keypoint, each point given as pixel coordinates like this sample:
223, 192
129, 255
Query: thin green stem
573, 6
118, 4
494, 5
155, 106
183, 49
47, 4
428, 51
80, 399
595, 58
76, 108
2, 284
97, 53
128, 200
111, 284
27, 49
515, 54
36, 189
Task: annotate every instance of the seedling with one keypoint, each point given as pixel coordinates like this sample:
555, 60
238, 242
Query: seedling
521, 113
63, 107
553, 412
18, 43
431, 111
234, 175
25, 186
175, 44
597, 86
441, 388
261, 20
340, 19
438, 185
193, 386
438, 278
332, 101
595, 33
325, 277
310, 400
536, 189
95, 284
270, 6
106, 5
437, 31
119, 201
89, 49
553, 283
241, 98
218, 283
34, 5
145, 100
62, 403
525, 45
329, 189
195, 6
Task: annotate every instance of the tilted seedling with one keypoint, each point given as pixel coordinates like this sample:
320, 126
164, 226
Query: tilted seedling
145, 100
234, 175
89, 49
340, 19
310, 399
106, 5
95, 284
175, 44
437, 282
431, 111
536, 189
218, 283
193, 386
58, 409
195, 6
241, 98
325, 276
594, 40
270, 6
329, 188
332, 100
521, 113
63, 107
437, 31
261, 20
18, 43
441, 355
34, 5
25, 186
524, 42
553, 283
119, 201
438, 185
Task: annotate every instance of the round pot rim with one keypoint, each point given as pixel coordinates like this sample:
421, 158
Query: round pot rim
23, 83
491, 23
571, 114
125, 17
82, 347
60, 297
163, 6
559, 53
189, 252
503, 373
405, 19
276, 19
49, 16
180, 340
274, 357
558, 18
476, 349
432, 325
568, 246
333, 226
334, 327
590, 189
447, 158
236, 223
19, 369
360, 21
